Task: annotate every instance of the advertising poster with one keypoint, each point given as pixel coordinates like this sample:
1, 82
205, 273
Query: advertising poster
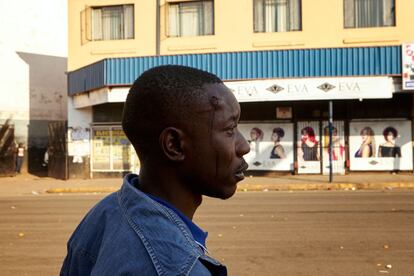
271, 146
338, 147
101, 149
78, 144
408, 66
308, 148
380, 145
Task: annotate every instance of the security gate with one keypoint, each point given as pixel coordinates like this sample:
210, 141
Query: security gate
57, 164
7, 149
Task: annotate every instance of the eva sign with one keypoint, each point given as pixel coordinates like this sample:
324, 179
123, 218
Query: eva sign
408, 66
302, 89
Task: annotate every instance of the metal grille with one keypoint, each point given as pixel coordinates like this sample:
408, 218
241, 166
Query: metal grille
7, 149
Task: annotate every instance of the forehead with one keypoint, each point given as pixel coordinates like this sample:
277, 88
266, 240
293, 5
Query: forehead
221, 100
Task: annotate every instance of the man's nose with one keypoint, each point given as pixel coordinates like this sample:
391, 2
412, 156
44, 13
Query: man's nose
242, 146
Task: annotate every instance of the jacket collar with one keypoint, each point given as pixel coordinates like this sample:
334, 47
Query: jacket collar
165, 236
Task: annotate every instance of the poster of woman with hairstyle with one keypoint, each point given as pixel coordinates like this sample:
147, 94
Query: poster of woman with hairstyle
389, 148
278, 152
256, 136
386, 145
308, 145
367, 147
271, 146
337, 146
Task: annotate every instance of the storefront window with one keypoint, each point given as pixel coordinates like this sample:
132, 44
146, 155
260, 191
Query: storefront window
111, 150
101, 151
120, 150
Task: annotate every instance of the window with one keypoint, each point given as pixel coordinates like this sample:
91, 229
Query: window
190, 18
369, 13
113, 22
111, 150
277, 15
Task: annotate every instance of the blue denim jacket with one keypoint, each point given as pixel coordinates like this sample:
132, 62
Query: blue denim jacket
128, 233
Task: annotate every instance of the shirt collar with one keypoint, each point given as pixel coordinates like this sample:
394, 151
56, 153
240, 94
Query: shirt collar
199, 235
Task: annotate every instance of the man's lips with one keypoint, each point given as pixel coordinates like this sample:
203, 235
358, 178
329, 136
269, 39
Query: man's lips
241, 169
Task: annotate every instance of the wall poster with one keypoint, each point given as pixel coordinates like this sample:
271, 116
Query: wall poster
78, 143
381, 145
308, 147
407, 66
338, 147
271, 146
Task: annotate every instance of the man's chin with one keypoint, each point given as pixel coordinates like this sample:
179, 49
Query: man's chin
226, 193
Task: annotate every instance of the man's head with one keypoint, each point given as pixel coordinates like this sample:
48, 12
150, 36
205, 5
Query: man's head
185, 119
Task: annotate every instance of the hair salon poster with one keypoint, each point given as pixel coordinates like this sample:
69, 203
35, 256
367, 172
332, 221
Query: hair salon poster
338, 147
271, 146
308, 147
380, 146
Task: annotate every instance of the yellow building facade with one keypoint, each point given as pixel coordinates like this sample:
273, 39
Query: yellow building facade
322, 26
292, 64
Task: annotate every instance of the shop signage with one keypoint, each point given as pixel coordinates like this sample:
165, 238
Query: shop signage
408, 66
312, 89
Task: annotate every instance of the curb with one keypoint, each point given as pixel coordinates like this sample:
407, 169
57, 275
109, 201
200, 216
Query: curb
328, 186
270, 187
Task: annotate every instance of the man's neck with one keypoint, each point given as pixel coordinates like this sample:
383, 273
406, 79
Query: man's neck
169, 189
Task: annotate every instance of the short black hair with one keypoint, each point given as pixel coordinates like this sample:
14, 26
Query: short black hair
279, 131
162, 96
388, 130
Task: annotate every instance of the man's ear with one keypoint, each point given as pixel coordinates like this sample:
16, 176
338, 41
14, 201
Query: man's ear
171, 141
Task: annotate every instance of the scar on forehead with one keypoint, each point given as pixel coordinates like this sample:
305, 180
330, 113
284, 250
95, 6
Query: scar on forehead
215, 102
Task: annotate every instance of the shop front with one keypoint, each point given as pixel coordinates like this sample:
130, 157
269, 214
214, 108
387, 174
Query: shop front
284, 96
286, 124
111, 151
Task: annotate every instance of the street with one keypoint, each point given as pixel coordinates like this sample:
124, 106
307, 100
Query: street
254, 233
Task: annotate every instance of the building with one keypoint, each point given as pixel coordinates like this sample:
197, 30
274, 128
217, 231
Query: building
284, 60
33, 83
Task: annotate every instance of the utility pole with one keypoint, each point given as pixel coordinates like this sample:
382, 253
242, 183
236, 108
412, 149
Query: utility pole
330, 141
158, 28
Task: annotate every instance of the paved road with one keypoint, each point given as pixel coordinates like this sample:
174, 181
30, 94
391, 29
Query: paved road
254, 233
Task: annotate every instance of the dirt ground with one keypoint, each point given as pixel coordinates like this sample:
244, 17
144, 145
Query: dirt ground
254, 233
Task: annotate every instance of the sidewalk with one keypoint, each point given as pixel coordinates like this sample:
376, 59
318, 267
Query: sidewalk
27, 184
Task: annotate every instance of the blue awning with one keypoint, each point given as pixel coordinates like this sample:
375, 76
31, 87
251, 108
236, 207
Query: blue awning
299, 63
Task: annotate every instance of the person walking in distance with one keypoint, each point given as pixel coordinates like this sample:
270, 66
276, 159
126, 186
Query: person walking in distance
19, 157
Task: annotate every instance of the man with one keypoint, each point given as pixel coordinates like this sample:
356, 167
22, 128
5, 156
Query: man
182, 123
19, 157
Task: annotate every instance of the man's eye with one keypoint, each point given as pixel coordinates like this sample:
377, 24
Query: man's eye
230, 130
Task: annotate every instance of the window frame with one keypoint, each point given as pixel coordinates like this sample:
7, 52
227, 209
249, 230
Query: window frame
369, 27
112, 157
167, 16
300, 29
91, 20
